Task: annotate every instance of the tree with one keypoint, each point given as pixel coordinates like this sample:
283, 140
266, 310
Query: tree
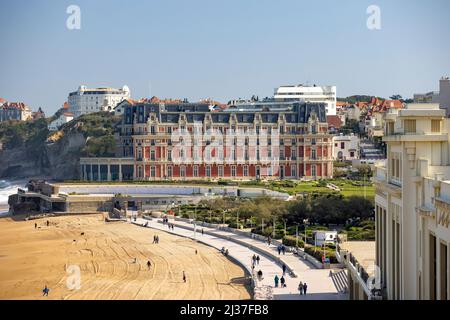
396, 97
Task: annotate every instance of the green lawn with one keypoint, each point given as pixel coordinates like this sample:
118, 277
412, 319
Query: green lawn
348, 189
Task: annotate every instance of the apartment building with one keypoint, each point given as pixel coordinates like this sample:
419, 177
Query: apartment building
319, 94
413, 205
183, 141
86, 100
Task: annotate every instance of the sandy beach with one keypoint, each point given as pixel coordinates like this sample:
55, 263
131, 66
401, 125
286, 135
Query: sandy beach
105, 254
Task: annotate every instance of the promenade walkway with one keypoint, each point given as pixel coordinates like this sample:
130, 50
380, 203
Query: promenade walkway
241, 248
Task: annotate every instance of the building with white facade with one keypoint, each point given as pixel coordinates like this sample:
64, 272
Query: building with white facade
325, 94
412, 205
62, 119
86, 100
346, 147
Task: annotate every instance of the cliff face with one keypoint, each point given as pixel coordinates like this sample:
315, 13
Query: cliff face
59, 160
31, 151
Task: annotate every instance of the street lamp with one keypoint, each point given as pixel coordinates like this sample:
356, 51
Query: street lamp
304, 242
273, 231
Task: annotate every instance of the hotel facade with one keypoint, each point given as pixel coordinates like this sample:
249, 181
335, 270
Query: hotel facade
412, 207
192, 141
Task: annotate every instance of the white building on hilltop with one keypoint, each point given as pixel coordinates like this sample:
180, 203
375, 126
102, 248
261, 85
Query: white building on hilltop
62, 119
326, 94
86, 100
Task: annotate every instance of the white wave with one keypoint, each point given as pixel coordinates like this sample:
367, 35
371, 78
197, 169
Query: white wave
8, 188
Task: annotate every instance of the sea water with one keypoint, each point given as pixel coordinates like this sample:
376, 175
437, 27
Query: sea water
8, 188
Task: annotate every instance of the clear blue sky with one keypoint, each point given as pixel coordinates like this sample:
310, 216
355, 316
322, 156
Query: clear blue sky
220, 49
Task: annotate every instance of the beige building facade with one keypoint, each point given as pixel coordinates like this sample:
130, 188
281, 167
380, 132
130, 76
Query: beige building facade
412, 205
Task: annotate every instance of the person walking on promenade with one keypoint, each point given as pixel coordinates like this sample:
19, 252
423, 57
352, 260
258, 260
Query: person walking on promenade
45, 291
260, 275
276, 279
305, 287
202, 231
300, 288
269, 240
283, 248
279, 250
257, 260
283, 282
284, 269
184, 277
254, 259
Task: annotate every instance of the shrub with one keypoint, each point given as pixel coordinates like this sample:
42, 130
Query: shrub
292, 241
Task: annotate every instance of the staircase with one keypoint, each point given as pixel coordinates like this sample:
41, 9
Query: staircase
340, 280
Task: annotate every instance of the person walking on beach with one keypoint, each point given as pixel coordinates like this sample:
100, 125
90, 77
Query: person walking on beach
284, 268
45, 291
154, 239
276, 279
257, 260
305, 287
48, 223
300, 288
35, 225
149, 264
184, 277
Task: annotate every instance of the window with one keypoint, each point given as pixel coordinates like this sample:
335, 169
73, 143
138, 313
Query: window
313, 154
195, 171
169, 155
233, 171
183, 171
342, 145
208, 171
435, 126
152, 155
220, 171
139, 172
293, 171
294, 154
169, 171
313, 170
409, 126
245, 171
152, 172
